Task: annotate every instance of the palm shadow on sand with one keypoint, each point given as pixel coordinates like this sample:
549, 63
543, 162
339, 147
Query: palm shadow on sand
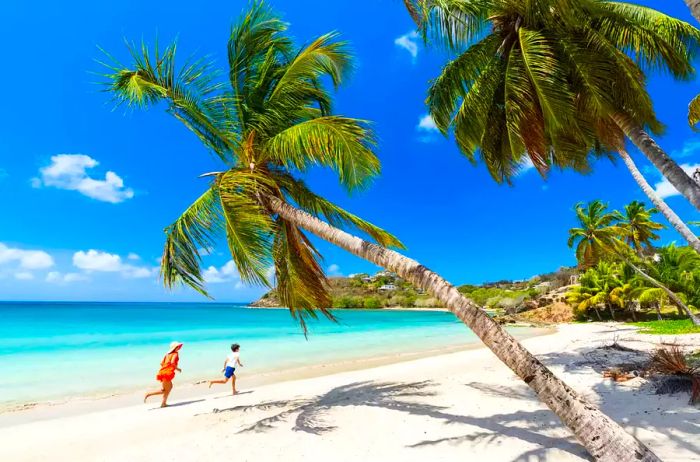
311, 415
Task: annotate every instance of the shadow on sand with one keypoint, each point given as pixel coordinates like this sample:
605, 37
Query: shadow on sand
311, 415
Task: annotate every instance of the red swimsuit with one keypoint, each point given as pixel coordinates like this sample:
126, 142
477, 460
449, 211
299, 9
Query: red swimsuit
167, 367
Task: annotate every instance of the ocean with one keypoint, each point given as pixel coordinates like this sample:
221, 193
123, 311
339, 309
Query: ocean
59, 350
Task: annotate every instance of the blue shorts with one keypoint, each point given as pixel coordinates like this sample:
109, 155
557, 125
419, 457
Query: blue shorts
228, 373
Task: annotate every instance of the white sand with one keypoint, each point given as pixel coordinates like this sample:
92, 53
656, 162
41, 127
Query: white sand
462, 406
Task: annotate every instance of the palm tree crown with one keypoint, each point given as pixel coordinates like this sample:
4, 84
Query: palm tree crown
638, 226
596, 235
532, 80
269, 121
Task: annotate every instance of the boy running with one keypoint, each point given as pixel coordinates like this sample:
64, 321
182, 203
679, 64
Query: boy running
232, 360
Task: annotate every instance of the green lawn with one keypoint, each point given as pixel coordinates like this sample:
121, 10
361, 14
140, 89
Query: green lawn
668, 327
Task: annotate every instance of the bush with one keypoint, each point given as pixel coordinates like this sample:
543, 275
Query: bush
428, 302
372, 303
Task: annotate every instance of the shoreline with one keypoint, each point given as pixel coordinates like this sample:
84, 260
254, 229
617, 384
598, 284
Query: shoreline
443, 407
19, 413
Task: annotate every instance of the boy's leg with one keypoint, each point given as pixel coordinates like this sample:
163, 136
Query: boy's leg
233, 384
212, 382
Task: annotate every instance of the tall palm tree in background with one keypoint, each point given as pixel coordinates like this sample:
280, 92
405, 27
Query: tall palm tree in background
596, 235
270, 122
600, 237
638, 226
531, 80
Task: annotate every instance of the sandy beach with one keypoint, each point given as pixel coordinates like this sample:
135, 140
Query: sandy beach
454, 406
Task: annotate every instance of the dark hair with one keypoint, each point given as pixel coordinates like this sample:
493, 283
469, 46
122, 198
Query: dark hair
235, 347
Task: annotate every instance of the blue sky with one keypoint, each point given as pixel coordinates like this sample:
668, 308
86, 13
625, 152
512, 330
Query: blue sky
87, 190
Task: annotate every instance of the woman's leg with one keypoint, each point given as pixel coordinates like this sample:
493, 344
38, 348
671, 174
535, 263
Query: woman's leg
167, 387
152, 393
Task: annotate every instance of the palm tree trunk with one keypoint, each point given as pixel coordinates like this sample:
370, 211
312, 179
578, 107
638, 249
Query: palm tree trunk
612, 312
604, 439
694, 6
658, 310
671, 295
600, 318
665, 210
667, 166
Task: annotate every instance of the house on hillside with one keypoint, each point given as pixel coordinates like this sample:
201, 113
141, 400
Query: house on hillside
388, 287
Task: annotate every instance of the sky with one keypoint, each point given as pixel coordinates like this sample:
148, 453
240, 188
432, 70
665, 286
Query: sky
87, 189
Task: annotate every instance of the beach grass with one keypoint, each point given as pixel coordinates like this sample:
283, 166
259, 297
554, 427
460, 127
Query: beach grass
667, 327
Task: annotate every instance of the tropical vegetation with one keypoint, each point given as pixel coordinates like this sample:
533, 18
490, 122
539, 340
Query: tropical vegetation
624, 271
268, 122
531, 83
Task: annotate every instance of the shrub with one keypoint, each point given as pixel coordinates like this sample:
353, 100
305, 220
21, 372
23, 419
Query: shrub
372, 303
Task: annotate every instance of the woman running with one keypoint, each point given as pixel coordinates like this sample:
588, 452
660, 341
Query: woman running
166, 374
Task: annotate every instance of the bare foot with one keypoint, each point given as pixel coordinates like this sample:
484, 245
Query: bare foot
235, 392
145, 398
163, 405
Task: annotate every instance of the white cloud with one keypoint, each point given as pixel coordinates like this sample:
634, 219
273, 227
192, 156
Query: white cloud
27, 259
95, 260
57, 277
333, 270
427, 124
409, 42
204, 251
68, 171
665, 189
226, 273
689, 149
24, 276
133, 256
427, 128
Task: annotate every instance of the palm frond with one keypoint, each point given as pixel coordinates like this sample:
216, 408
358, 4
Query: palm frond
694, 112
196, 228
249, 228
341, 143
301, 283
191, 92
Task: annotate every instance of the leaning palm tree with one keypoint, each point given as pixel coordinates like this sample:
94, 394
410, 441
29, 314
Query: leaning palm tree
659, 203
599, 237
532, 81
639, 227
694, 6
268, 124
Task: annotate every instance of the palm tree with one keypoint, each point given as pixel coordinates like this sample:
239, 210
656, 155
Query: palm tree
660, 204
638, 226
599, 237
694, 112
267, 124
539, 83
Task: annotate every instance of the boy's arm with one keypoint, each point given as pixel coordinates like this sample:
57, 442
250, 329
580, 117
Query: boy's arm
225, 363
238, 360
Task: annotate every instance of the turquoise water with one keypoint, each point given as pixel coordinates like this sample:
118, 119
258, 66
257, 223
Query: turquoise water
59, 350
